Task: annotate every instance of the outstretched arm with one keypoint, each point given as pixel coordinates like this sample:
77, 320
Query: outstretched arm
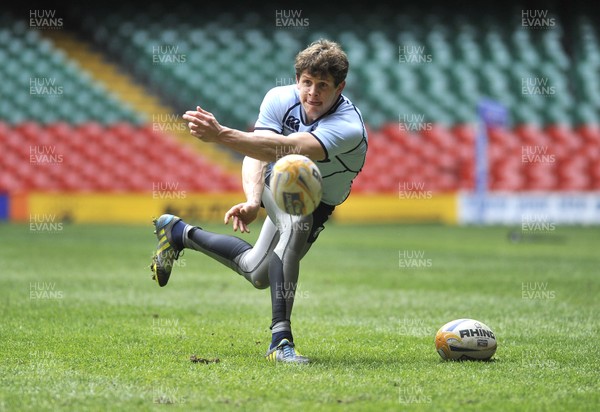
260, 146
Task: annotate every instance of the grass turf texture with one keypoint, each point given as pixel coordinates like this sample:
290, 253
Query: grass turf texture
84, 328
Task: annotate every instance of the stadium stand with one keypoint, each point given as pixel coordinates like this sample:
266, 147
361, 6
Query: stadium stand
104, 158
417, 81
40, 84
440, 68
67, 119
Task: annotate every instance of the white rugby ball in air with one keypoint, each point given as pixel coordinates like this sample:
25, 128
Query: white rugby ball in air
296, 184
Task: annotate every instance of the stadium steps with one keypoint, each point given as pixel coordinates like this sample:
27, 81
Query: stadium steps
126, 89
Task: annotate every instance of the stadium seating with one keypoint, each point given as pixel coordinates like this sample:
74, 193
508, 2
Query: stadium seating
527, 158
121, 157
40, 84
461, 61
227, 61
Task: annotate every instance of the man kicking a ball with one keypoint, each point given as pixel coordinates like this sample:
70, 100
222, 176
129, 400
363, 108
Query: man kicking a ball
311, 118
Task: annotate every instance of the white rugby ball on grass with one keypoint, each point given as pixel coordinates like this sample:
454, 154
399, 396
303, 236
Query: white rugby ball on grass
465, 339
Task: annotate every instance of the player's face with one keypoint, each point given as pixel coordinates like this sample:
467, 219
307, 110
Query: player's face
318, 94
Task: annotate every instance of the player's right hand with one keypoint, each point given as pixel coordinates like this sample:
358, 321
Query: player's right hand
243, 214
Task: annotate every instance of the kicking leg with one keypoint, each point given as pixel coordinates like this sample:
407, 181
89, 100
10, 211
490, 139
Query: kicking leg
249, 261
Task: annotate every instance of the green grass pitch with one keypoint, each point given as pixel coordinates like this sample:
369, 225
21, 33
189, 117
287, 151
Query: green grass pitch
83, 327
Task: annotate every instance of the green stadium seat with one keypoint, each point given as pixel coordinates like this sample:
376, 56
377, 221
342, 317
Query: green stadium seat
472, 56
28, 55
585, 114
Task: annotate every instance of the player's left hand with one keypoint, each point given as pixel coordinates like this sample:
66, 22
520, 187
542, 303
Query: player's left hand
203, 124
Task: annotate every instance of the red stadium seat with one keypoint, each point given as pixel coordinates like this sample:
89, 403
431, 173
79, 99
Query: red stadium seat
464, 133
119, 157
589, 133
95, 157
